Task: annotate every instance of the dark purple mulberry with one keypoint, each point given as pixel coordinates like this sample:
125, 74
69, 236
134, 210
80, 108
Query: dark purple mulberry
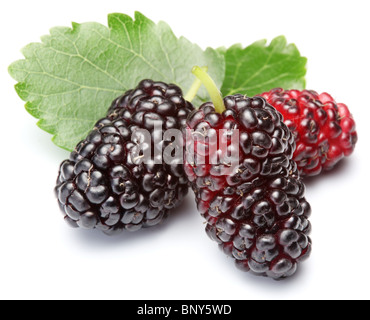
104, 184
257, 213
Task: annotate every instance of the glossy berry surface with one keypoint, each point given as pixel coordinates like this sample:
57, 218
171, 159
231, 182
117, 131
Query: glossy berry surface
104, 184
257, 213
324, 130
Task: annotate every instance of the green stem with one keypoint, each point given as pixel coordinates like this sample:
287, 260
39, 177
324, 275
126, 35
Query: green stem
190, 95
211, 87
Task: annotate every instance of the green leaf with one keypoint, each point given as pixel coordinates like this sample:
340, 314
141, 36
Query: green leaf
70, 79
258, 68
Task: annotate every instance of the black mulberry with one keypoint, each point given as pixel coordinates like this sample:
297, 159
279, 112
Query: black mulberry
104, 184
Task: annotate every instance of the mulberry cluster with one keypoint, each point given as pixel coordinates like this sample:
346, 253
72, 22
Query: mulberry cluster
105, 185
324, 130
257, 214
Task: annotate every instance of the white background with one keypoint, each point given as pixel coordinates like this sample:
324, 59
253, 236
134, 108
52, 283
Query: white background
42, 258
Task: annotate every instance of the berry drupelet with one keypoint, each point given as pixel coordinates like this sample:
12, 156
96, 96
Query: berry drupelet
324, 130
104, 184
257, 214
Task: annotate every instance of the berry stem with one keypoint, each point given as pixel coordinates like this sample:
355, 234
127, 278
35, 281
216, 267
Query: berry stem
190, 95
211, 87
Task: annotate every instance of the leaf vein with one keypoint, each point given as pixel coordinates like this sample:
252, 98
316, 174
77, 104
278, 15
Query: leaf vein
138, 55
